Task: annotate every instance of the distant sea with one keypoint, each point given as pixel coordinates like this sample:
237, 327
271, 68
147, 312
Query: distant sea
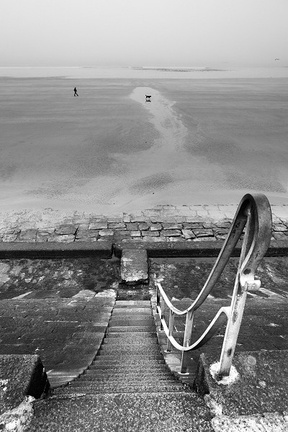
149, 72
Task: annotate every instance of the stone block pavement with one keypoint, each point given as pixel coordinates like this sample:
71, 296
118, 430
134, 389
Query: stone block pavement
165, 223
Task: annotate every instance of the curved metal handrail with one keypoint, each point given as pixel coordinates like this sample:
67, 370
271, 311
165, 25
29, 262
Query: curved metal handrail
254, 212
215, 324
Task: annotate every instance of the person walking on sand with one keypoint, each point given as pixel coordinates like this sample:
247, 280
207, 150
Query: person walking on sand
75, 92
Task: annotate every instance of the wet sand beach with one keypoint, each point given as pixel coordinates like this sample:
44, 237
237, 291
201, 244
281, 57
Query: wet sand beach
109, 151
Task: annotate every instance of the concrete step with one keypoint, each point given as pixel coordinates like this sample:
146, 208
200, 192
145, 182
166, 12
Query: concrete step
126, 373
120, 367
121, 379
120, 387
130, 338
121, 312
114, 336
107, 349
132, 304
103, 376
132, 310
130, 342
129, 322
126, 356
128, 304
135, 360
128, 329
129, 412
128, 365
130, 333
134, 375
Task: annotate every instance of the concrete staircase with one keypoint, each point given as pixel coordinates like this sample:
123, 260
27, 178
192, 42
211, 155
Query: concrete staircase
129, 360
128, 386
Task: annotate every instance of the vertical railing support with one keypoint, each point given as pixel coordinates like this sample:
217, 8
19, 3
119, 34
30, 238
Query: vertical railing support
162, 308
242, 284
158, 303
186, 340
171, 328
232, 331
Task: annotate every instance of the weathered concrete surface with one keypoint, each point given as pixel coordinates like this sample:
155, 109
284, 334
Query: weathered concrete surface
20, 376
260, 389
65, 333
268, 422
185, 277
18, 419
56, 278
134, 266
146, 412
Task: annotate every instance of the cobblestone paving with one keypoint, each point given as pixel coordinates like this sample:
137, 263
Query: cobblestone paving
162, 223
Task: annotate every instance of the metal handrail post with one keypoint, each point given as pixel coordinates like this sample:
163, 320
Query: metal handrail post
186, 340
242, 283
162, 308
232, 330
171, 328
158, 305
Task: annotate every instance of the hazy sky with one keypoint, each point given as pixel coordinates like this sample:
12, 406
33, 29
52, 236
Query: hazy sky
143, 32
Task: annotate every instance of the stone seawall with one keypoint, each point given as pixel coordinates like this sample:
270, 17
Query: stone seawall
162, 223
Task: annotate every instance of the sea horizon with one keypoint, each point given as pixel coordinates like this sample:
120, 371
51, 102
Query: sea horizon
145, 71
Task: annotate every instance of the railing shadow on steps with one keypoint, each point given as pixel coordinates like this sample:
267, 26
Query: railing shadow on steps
253, 217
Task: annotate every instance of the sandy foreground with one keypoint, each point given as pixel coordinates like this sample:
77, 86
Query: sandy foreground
110, 151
